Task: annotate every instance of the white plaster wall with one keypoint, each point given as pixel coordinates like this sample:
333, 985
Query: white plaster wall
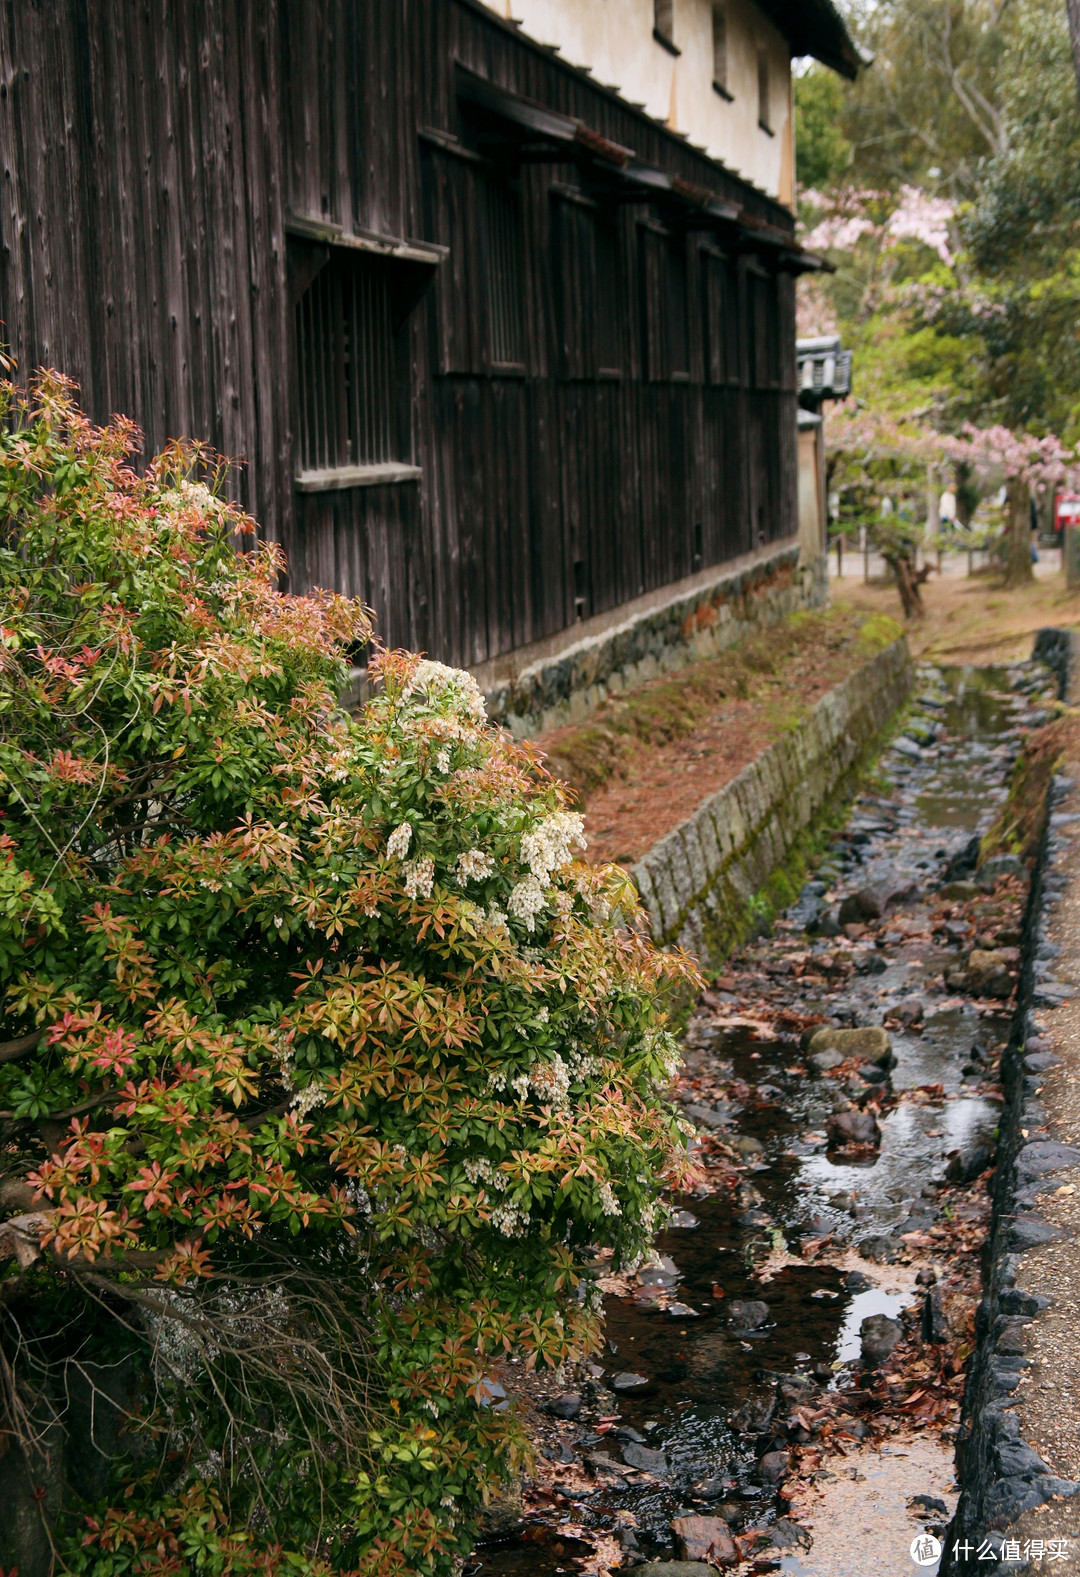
614, 38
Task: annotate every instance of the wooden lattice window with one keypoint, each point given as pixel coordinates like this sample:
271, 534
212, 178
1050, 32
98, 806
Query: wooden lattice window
345, 362
718, 317
664, 304
587, 278
505, 275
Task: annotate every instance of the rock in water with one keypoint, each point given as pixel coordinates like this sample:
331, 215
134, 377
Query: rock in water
868, 1045
853, 1128
988, 973
964, 863
628, 1381
880, 1250
566, 1406
645, 1460
970, 1162
747, 1315
910, 1011
879, 1336
825, 1061
705, 1539
773, 1467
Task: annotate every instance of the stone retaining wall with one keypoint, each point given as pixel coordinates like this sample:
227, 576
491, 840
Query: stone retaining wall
1019, 1424
568, 684
698, 882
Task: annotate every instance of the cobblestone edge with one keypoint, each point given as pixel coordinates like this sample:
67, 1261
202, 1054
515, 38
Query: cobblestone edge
698, 880
1002, 1477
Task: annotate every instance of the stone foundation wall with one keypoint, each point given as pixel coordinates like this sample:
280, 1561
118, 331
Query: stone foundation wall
698, 882
567, 685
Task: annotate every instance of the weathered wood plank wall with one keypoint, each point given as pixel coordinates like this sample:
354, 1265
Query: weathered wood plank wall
152, 152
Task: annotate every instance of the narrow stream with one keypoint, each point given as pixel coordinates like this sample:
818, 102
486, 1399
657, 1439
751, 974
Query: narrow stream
688, 1389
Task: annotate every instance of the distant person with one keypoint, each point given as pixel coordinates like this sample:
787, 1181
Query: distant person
947, 508
886, 505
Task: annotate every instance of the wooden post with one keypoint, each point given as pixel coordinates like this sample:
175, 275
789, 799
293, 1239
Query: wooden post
839, 557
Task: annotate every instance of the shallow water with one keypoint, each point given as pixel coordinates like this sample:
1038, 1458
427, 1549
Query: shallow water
699, 1372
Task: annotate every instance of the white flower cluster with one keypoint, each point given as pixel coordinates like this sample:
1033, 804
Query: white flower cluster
496, 920
420, 877
666, 1048
509, 1219
397, 844
192, 495
442, 760
550, 1082
307, 1099
480, 1170
526, 901
608, 1203
521, 1085
474, 865
583, 1064
453, 686
548, 847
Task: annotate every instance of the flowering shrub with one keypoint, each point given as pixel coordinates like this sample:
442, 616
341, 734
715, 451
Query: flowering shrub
323, 1056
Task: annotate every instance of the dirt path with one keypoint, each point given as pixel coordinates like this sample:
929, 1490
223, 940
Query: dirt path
970, 620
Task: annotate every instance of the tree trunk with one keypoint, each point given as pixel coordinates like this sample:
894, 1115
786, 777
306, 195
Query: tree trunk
1018, 534
907, 584
1073, 9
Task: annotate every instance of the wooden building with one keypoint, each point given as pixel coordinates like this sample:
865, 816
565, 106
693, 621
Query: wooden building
497, 351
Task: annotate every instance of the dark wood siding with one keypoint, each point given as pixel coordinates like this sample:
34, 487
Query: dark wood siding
598, 401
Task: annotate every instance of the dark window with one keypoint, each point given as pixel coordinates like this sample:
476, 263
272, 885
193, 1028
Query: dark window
764, 329
664, 24
719, 50
609, 354
764, 118
720, 364
505, 275
664, 305
345, 361
588, 286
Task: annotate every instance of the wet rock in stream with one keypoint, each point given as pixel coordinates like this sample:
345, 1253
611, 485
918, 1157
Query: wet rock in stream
704, 1539
878, 1335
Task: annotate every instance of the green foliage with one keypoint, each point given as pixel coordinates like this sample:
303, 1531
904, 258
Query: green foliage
927, 112
325, 1055
977, 103
822, 152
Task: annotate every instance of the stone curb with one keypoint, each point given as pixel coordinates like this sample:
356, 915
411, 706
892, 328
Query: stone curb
568, 687
1001, 1476
698, 880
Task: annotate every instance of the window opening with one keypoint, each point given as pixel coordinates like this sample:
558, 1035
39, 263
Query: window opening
664, 24
505, 271
720, 51
764, 118
345, 354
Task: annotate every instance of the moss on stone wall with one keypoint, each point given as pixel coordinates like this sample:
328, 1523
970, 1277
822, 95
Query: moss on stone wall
591, 754
742, 857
